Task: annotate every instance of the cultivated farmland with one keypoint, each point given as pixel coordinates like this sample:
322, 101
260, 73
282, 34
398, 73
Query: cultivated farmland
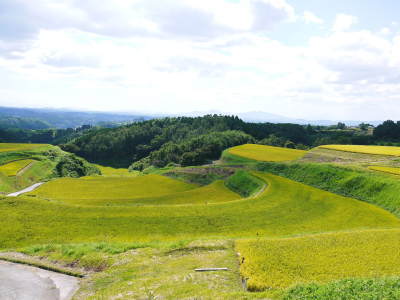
12, 168
264, 153
293, 223
8, 147
284, 208
390, 170
378, 150
281, 263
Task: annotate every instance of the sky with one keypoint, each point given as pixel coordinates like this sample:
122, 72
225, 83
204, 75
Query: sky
310, 59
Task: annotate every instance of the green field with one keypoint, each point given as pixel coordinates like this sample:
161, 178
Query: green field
9, 147
299, 233
265, 153
378, 150
143, 190
108, 190
12, 168
281, 263
284, 208
109, 171
375, 188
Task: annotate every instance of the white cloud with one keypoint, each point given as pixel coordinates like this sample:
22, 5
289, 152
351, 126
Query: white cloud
343, 22
191, 55
23, 19
385, 31
310, 17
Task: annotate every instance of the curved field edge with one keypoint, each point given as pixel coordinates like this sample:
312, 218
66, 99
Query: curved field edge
322, 258
389, 170
284, 208
215, 192
373, 188
253, 152
376, 150
106, 190
147, 190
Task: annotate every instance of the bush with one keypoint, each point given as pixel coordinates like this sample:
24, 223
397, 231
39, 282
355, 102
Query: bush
73, 166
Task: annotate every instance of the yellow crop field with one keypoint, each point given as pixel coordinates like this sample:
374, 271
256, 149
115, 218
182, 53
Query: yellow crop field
284, 208
144, 190
96, 190
9, 147
281, 263
266, 153
378, 150
215, 192
12, 168
109, 171
391, 170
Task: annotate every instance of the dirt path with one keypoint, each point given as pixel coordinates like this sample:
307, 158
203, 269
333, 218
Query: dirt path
20, 282
26, 190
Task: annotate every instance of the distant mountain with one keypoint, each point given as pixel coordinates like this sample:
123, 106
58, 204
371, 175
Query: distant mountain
260, 117
58, 118
63, 118
22, 123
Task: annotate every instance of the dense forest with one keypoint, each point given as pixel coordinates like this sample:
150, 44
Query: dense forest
198, 140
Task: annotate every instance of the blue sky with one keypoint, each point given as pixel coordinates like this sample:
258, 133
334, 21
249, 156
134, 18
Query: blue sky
308, 59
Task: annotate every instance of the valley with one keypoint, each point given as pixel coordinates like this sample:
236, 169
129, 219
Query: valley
259, 212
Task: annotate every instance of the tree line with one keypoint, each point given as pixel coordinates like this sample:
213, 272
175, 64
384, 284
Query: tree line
194, 140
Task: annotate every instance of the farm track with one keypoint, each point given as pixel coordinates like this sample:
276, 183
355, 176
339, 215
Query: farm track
25, 283
26, 190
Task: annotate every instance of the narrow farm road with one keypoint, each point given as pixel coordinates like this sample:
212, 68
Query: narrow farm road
20, 282
28, 189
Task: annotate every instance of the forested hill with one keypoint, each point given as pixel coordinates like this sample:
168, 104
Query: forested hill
177, 139
29, 118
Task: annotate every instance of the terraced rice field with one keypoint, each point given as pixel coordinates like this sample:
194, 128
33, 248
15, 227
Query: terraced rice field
266, 153
284, 208
144, 190
378, 150
9, 147
390, 170
109, 171
108, 190
12, 168
281, 263
294, 239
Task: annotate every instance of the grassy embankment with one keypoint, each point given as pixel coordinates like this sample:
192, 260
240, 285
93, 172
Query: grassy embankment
374, 188
245, 184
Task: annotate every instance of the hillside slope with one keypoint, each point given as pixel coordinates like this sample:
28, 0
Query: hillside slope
284, 208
